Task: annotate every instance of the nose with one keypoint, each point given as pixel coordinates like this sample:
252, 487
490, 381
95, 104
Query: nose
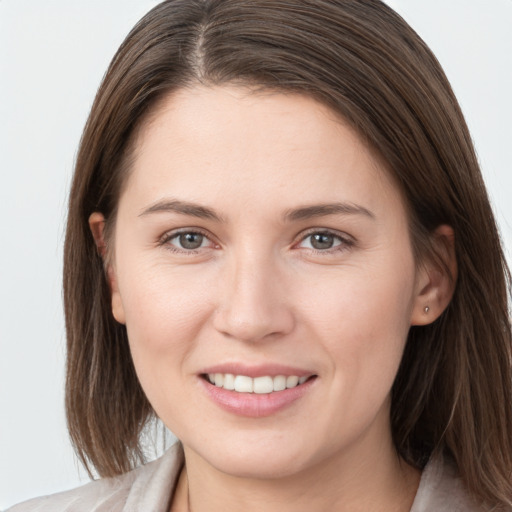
254, 304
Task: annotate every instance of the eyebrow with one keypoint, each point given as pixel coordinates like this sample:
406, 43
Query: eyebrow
296, 214
183, 207
322, 210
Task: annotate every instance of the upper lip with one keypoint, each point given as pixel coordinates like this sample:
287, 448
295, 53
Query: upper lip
262, 370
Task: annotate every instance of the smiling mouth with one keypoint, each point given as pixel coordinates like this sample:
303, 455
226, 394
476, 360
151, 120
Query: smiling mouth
259, 385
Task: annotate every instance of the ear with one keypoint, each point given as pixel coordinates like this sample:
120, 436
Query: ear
97, 227
436, 279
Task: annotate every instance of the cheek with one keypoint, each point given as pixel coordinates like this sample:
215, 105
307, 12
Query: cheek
363, 319
162, 305
164, 312
164, 315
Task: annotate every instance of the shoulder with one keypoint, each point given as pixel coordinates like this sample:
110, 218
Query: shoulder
148, 487
442, 490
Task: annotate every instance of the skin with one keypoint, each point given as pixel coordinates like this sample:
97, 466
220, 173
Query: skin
256, 291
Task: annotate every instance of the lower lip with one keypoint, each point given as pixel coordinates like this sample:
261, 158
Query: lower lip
254, 405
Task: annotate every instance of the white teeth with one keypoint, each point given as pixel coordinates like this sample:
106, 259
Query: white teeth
292, 381
259, 385
243, 384
263, 385
229, 381
279, 383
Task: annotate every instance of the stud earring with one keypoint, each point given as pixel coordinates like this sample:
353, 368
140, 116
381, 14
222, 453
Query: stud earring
427, 309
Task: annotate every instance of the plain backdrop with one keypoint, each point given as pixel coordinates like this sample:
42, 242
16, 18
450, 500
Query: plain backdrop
52, 57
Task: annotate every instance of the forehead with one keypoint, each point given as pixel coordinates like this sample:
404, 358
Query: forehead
264, 146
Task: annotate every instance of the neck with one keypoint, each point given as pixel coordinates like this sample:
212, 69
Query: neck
378, 482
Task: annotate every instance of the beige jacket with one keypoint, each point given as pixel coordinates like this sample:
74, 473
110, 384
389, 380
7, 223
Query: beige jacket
150, 489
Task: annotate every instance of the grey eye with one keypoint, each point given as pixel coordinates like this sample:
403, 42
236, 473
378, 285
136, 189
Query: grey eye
190, 240
322, 241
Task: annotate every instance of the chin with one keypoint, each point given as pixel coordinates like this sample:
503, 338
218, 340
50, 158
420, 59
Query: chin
266, 459
266, 467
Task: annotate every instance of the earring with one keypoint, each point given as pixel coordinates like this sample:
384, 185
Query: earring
427, 309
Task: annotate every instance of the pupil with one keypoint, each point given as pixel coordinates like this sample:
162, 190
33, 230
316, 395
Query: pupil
191, 240
322, 241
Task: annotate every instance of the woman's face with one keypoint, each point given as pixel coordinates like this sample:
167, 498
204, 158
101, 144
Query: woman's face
258, 241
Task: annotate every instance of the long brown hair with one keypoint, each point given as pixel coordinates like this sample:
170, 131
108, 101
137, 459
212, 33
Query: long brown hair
453, 391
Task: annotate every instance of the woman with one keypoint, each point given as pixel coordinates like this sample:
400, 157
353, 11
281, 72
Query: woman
280, 244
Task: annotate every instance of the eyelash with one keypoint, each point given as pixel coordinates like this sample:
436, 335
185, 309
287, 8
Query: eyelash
166, 239
345, 242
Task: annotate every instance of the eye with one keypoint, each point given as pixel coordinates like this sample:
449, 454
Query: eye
324, 241
185, 241
321, 241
